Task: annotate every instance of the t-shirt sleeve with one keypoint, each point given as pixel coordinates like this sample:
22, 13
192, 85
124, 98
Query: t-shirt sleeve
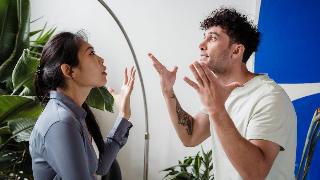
65, 151
270, 119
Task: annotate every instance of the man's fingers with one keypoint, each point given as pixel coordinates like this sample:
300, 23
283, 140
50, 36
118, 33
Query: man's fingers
158, 68
195, 74
191, 83
175, 69
155, 60
211, 77
201, 73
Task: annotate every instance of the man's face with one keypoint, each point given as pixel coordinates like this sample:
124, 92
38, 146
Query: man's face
216, 50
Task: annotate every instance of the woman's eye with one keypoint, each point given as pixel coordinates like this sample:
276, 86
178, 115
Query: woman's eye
92, 53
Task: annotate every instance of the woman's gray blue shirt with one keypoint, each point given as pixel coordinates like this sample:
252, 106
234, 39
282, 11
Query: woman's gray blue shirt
60, 146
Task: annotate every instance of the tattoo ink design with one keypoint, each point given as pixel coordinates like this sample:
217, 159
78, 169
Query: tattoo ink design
184, 118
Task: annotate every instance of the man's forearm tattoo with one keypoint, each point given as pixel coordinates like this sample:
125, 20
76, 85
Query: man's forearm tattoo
184, 118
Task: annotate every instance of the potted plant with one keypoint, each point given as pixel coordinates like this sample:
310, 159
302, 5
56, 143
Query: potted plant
198, 167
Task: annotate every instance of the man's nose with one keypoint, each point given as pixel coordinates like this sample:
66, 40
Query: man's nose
203, 44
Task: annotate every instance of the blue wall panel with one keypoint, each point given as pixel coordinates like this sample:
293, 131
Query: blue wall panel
289, 53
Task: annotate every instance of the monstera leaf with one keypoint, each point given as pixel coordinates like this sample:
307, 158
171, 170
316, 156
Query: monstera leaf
100, 98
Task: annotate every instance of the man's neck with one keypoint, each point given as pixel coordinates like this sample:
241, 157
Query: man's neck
240, 75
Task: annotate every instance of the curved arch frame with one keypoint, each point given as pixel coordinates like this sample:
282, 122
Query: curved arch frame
146, 134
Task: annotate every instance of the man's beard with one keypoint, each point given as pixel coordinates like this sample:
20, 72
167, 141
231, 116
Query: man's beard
217, 68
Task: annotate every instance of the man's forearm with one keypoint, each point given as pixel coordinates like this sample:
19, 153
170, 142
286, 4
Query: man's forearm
247, 158
182, 121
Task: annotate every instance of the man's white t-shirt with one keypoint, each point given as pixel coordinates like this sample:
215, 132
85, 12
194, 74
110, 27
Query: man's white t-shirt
260, 110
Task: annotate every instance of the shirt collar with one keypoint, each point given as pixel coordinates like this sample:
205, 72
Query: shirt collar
76, 109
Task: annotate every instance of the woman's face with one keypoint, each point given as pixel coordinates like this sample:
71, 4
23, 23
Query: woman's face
90, 72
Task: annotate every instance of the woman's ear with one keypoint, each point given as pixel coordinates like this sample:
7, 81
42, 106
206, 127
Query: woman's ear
66, 70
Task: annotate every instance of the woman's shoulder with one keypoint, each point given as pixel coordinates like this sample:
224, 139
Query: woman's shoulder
55, 113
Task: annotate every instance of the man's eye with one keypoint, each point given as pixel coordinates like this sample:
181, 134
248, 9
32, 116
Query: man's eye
214, 38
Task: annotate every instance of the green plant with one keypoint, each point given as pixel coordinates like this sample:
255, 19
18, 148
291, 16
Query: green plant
19, 109
197, 167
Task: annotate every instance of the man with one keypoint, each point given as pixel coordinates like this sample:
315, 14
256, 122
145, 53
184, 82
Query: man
251, 120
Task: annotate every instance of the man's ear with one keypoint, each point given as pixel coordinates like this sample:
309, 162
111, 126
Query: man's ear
238, 50
66, 70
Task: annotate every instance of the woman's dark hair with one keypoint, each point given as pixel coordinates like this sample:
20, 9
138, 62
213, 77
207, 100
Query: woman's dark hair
63, 48
237, 27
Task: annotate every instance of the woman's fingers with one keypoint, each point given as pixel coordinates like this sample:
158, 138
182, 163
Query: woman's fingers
131, 70
125, 76
111, 91
132, 79
191, 83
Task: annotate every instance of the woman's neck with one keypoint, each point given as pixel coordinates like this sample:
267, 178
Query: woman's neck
78, 95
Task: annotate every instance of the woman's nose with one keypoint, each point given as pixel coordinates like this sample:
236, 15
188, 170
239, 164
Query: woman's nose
101, 59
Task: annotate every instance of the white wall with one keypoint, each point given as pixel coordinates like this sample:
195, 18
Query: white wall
169, 29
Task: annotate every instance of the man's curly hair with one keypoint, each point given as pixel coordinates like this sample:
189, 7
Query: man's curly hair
237, 27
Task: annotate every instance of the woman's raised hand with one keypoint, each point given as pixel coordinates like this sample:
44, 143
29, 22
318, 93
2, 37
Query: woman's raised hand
122, 99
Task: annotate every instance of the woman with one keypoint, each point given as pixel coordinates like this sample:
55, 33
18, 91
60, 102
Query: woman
61, 141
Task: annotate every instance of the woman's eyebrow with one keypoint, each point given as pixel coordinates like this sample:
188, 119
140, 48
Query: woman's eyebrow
89, 48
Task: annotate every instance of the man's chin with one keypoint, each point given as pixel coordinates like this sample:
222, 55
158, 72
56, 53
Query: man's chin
204, 59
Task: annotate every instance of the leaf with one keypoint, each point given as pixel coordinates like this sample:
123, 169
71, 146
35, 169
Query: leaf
9, 28
21, 128
21, 39
15, 107
42, 39
175, 166
24, 71
181, 176
27, 92
32, 33
7, 159
197, 164
4, 130
100, 98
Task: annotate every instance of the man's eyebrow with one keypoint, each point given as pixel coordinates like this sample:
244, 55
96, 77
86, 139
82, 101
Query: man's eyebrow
211, 33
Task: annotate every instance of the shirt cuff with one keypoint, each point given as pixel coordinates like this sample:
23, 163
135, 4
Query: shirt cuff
120, 131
